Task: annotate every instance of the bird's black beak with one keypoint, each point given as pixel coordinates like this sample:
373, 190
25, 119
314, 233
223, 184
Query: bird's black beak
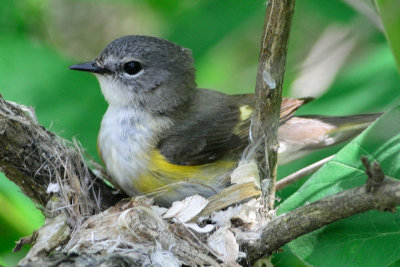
90, 67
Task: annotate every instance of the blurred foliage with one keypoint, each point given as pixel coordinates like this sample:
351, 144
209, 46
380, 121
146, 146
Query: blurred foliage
39, 39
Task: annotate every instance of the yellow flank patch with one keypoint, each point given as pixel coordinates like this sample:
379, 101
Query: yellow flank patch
245, 112
160, 164
162, 173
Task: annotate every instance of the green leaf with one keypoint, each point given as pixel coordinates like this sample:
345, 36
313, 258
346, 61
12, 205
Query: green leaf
285, 257
371, 238
389, 11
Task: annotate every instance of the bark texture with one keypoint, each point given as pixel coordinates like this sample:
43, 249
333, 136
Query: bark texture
35, 158
268, 92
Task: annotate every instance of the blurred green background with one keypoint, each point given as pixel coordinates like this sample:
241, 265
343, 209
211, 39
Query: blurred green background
337, 52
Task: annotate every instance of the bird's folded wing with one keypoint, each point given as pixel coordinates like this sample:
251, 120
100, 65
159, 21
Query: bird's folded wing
217, 126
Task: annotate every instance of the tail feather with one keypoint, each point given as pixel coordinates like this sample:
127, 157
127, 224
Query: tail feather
301, 135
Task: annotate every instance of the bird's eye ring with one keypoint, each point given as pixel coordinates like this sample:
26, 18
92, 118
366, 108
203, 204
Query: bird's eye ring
132, 67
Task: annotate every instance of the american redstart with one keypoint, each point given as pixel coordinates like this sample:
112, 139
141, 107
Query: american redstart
163, 134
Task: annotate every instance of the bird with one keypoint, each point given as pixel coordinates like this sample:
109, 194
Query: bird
163, 136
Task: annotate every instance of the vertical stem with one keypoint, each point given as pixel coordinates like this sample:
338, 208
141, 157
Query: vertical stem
268, 92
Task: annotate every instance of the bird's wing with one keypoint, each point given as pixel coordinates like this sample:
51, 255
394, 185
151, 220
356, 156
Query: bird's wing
216, 125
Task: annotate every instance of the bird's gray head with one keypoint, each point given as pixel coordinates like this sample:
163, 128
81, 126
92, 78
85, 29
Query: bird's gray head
146, 72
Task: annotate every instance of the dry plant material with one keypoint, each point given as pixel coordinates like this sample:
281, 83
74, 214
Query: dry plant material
25, 240
54, 233
48, 169
136, 229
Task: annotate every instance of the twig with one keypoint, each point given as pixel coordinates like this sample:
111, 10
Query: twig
268, 93
24, 240
374, 173
300, 174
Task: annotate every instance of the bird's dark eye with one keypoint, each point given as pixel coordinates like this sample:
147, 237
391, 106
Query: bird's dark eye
132, 67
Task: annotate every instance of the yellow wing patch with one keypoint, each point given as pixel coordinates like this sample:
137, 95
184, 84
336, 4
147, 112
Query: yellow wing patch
242, 127
245, 112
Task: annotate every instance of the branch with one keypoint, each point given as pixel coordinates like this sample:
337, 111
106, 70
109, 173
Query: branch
268, 93
378, 193
35, 158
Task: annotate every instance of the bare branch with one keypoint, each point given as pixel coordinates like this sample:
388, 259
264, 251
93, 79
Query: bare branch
268, 93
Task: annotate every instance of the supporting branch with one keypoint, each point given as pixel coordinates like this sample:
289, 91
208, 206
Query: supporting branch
268, 93
378, 193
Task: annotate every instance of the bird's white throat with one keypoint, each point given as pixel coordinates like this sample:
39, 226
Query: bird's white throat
115, 92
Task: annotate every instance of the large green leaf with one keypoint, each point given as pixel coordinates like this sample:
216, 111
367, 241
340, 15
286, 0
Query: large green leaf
371, 238
389, 11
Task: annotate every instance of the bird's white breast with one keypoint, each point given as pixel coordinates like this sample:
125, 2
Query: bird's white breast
127, 136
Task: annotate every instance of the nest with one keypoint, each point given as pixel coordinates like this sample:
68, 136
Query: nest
82, 217
194, 231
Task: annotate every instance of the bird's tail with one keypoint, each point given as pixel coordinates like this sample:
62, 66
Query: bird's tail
301, 135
